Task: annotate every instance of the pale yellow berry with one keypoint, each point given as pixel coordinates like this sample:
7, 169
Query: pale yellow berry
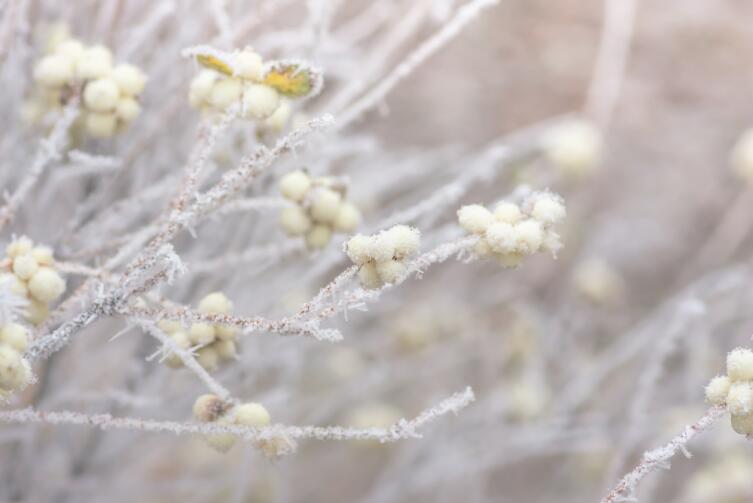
222, 442
14, 335
278, 120
390, 270
251, 414
348, 217
345, 363
318, 237
742, 424
129, 78
201, 333
208, 358
46, 285
225, 349
475, 218
183, 342
358, 249
94, 63
208, 408
101, 95
225, 332
224, 93
101, 125
72, 49
201, 87
325, 205
43, 255
548, 209
24, 266
37, 312
127, 109
294, 221
528, 236
18, 247
382, 247
295, 185
15, 285
215, 303
14, 370
507, 212
406, 240
575, 147
54, 70
740, 365
170, 326
501, 237
248, 65
597, 281
740, 398
369, 277
717, 390
259, 101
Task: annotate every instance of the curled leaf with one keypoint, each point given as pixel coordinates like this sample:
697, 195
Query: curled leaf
290, 80
214, 63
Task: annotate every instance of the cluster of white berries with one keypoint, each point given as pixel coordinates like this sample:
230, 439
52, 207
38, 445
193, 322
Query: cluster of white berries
382, 256
574, 147
32, 275
211, 408
319, 209
213, 91
736, 390
515, 231
216, 342
109, 92
15, 371
741, 157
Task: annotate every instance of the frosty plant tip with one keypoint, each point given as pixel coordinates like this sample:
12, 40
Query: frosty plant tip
264, 89
110, 92
319, 208
381, 257
513, 231
31, 274
216, 342
735, 390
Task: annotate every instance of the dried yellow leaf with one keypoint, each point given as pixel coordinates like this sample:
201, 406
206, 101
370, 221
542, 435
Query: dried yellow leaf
289, 81
214, 63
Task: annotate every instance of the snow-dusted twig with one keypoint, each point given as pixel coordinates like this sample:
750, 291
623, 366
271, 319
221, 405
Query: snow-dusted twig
659, 457
50, 150
402, 429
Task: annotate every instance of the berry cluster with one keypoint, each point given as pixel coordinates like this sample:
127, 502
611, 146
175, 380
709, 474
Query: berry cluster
736, 390
110, 92
319, 209
218, 87
515, 231
211, 408
216, 342
15, 372
382, 256
32, 275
